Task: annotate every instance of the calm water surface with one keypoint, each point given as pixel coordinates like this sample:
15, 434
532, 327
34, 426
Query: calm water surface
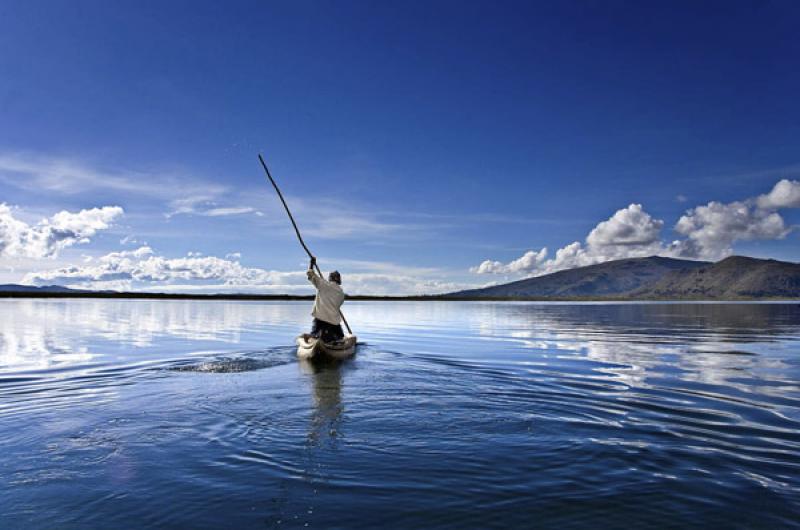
124, 414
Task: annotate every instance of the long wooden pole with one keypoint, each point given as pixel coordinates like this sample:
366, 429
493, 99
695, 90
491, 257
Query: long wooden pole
297, 230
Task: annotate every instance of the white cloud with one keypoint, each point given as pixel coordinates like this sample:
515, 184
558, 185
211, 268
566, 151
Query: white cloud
629, 227
205, 205
232, 210
712, 229
143, 266
709, 233
49, 236
630, 232
143, 269
529, 261
785, 194
188, 205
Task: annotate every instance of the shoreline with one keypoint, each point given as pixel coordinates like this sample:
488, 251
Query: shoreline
364, 298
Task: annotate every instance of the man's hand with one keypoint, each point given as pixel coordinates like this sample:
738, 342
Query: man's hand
312, 263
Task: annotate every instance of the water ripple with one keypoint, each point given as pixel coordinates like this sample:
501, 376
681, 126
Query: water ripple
452, 415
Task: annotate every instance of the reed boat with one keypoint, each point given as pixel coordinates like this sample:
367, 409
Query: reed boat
309, 347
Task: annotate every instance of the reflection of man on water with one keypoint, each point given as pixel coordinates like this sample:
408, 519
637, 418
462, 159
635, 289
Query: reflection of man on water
330, 297
326, 383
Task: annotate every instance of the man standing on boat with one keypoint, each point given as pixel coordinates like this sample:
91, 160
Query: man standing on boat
330, 297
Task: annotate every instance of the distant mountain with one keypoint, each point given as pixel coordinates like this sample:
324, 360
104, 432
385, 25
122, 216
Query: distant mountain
14, 288
731, 278
657, 278
653, 278
612, 278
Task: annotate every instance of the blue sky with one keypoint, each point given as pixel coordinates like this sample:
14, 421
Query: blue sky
424, 146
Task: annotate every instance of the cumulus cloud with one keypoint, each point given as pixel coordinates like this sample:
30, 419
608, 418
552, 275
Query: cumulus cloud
144, 266
712, 229
49, 236
527, 262
629, 227
630, 232
144, 269
709, 233
785, 194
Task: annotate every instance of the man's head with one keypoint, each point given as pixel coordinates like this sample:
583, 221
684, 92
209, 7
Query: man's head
335, 277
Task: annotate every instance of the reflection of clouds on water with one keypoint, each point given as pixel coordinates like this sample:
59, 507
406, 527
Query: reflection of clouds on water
632, 363
26, 341
630, 343
36, 334
635, 343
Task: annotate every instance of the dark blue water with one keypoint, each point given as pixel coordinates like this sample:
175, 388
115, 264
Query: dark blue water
127, 414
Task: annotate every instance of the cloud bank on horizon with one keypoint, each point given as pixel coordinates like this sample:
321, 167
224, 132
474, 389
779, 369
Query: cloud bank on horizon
142, 268
709, 233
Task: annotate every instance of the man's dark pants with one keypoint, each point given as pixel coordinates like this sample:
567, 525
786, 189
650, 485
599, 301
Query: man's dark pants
326, 331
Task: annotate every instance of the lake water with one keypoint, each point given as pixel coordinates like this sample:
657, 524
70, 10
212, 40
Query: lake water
193, 414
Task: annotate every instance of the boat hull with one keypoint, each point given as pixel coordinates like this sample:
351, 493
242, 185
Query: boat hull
309, 347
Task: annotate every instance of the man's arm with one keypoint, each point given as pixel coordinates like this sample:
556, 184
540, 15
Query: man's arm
312, 276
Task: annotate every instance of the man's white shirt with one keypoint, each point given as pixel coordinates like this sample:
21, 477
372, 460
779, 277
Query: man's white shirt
330, 298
